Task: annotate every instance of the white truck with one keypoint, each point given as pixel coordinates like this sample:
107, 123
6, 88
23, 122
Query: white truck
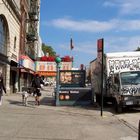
121, 79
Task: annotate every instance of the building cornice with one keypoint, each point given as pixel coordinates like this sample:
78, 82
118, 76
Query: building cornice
13, 8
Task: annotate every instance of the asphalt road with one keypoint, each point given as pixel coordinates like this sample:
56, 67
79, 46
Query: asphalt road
48, 122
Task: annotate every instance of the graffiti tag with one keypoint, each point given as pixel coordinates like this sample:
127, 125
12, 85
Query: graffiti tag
120, 64
130, 90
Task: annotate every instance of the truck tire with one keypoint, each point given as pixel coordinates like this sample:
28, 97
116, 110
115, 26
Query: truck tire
118, 107
98, 99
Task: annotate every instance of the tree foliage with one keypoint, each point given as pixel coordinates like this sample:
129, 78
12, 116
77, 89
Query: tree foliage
48, 49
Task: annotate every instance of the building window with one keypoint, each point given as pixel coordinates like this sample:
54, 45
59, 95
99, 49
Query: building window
15, 42
3, 36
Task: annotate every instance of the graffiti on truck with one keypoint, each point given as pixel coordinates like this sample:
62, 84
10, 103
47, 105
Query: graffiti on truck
120, 64
130, 90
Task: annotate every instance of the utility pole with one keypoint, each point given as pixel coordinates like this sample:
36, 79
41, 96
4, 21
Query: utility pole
100, 50
102, 76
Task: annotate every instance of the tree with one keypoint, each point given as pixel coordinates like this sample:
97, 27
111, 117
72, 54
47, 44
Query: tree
48, 49
138, 49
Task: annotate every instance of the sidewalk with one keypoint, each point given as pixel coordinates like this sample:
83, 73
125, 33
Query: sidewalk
47, 122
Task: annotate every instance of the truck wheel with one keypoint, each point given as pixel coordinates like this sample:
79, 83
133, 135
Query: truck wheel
98, 99
118, 107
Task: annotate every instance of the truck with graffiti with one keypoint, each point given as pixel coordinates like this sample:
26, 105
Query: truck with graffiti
121, 79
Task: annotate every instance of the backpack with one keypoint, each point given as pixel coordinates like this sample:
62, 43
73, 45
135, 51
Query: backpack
37, 83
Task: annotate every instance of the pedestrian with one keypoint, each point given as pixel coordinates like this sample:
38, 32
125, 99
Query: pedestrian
41, 82
36, 85
2, 87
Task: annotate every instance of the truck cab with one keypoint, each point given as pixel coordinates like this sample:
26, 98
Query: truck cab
124, 87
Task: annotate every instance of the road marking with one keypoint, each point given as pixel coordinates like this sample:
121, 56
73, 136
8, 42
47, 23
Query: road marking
129, 125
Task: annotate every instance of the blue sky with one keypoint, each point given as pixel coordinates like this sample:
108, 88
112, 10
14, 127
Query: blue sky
86, 21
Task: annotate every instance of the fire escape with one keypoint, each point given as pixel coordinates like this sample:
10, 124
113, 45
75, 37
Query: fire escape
32, 29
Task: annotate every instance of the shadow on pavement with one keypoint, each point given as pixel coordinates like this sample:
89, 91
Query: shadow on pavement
50, 101
19, 103
47, 101
15, 102
130, 110
94, 107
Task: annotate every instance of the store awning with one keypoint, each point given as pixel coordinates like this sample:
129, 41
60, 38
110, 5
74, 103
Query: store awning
25, 70
46, 73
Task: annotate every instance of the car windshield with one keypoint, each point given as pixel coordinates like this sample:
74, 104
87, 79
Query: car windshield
130, 78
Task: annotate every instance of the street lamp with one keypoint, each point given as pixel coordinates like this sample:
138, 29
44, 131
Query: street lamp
57, 60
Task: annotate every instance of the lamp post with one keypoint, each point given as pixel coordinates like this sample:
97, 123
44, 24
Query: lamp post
57, 60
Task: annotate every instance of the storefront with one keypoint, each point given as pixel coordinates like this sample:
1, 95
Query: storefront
3, 48
26, 71
9, 42
3, 63
13, 76
48, 69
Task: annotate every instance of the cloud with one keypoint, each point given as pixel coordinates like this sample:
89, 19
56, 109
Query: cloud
84, 25
96, 26
126, 7
117, 44
84, 47
84, 52
111, 44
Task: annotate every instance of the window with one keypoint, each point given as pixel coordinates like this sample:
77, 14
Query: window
3, 35
15, 40
129, 78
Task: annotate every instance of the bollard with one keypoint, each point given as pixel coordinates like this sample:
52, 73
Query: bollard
139, 131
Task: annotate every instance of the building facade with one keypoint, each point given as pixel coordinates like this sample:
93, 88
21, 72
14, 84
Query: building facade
46, 66
19, 35
9, 42
29, 41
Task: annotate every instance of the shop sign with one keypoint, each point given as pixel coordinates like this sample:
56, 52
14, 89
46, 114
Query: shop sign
45, 73
51, 66
45, 66
66, 66
26, 62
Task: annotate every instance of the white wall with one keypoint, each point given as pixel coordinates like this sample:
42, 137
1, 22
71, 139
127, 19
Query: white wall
14, 31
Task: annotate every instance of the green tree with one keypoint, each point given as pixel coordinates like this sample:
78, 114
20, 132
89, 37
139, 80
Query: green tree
48, 49
138, 49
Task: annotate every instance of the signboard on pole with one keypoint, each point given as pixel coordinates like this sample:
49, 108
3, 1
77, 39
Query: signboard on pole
100, 52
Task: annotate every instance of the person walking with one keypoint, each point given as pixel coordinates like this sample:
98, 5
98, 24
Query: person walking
2, 87
36, 85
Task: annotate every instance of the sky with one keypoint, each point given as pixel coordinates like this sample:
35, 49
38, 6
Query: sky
86, 21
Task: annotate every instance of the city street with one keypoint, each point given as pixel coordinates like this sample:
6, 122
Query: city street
48, 122
84, 49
